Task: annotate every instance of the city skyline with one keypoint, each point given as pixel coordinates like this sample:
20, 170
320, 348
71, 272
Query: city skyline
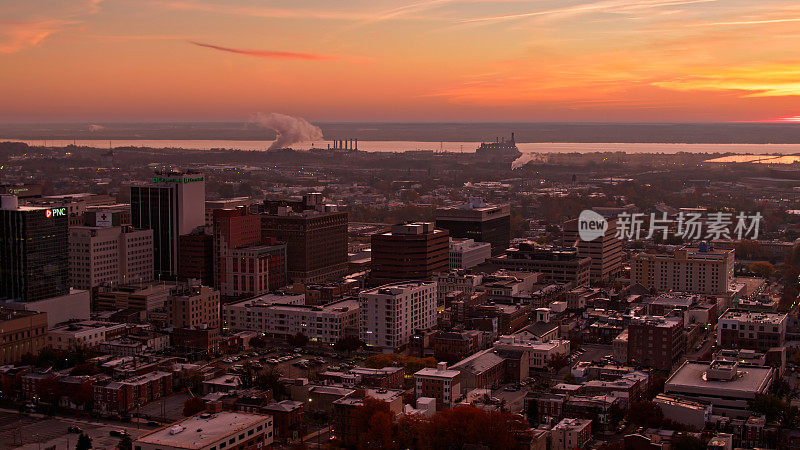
440, 60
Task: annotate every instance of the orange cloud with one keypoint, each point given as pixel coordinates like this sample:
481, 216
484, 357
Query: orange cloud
16, 36
268, 54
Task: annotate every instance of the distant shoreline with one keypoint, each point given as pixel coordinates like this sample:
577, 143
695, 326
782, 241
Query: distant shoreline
430, 133
435, 147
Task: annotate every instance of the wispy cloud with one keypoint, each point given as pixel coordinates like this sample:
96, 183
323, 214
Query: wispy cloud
16, 36
27, 25
593, 7
752, 22
267, 54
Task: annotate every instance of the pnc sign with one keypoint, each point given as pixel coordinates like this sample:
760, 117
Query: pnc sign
55, 212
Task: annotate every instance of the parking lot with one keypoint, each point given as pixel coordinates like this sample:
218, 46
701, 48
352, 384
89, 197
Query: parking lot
34, 432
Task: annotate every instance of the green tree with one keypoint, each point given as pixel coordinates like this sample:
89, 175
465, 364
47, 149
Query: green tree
84, 442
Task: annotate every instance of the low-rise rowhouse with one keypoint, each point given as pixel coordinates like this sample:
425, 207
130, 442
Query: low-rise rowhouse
122, 397
440, 383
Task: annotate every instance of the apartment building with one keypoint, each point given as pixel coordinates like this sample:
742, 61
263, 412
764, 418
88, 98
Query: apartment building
390, 314
655, 341
700, 269
751, 330
319, 323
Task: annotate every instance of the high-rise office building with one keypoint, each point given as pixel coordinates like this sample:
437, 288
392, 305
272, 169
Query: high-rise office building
315, 235
412, 251
171, 204
109, 255
478, 221
605, 251
34, 262
559, 264
196, 256
245, 262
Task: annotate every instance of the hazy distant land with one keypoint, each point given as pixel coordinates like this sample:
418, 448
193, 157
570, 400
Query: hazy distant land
699, 133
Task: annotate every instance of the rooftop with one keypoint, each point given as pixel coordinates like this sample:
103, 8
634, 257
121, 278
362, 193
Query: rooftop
747, 381
754, 316
201, 430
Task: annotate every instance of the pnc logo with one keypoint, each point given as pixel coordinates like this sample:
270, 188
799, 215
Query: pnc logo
55, 212
591, 225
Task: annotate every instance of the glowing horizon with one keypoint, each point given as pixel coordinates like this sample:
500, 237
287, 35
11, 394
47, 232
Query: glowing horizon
389, 60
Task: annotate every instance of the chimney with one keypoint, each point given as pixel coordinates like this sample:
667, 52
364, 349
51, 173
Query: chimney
441, 366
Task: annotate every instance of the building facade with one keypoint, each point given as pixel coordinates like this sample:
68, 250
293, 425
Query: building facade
390, 314
21, 332
412, 251
34, 258
656, 342
109, 256
466, 253
605, 251
324, 324
478, 221
751, 330
171, 204
699, 269
557, 264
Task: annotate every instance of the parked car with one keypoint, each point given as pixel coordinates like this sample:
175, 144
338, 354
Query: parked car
117, 433
74, 429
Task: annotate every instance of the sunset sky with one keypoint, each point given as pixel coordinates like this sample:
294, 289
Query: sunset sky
382, 60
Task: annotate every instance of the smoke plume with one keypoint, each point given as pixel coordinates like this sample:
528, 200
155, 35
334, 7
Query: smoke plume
93, 128
290, 130
525, 159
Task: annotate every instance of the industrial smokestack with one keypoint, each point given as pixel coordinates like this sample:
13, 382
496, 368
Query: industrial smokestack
356, 144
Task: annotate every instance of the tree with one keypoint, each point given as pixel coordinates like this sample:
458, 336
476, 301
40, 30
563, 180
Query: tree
125, 443
558, 361
258, 342
645, 414
569, 378
762, 269
192, 406
270, 379
84, 442
348, 344
298, 340
684, 441
85, 369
